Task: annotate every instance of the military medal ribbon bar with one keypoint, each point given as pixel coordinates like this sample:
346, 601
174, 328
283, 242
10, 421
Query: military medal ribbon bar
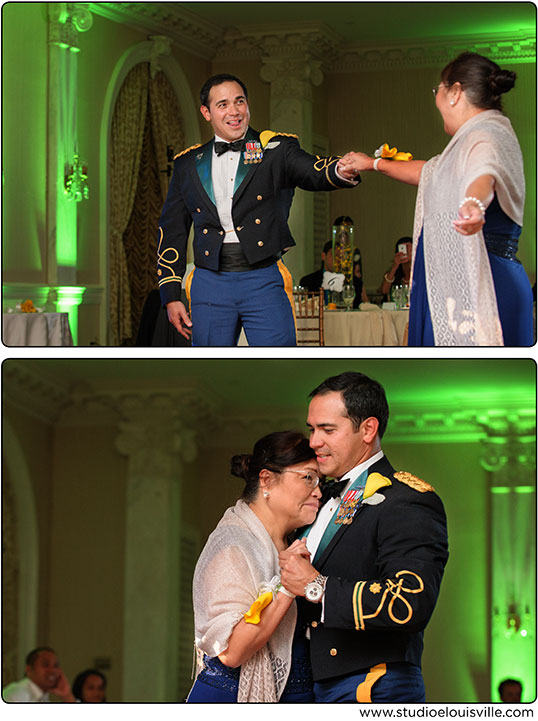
348, 506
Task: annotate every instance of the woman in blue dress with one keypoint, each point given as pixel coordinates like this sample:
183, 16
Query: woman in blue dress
468, 287
250, 645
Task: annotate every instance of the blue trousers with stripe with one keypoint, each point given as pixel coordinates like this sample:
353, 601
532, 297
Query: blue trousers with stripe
259, 301
397, 683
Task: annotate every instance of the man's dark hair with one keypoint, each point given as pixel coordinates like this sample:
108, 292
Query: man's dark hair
32, 656
363, 398
218, 80
327, 247
506, 682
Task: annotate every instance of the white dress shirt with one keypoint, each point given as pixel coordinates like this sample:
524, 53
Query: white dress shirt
326, 513
223, 172
24, 691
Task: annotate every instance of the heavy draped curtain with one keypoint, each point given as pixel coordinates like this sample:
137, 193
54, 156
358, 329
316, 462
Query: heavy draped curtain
146, 120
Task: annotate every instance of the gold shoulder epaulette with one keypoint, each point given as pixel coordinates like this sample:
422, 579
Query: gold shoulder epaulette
416, 483
267, 135
187, 150
288, 135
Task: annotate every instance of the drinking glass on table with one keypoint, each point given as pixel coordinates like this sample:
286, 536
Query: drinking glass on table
398, 296
348, 296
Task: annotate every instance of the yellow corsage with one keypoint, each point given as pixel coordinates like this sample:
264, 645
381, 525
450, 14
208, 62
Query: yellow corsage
391, 153
266, 593
253, 615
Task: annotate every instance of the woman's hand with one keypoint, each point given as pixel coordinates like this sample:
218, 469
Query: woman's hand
470, 219
355, 162
298, 547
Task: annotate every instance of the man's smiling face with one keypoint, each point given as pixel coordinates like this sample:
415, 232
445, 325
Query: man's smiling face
227, 111
338, 445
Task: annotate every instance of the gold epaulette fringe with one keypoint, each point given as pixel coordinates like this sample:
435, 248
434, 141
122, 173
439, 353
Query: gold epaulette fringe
187, 150
416, 483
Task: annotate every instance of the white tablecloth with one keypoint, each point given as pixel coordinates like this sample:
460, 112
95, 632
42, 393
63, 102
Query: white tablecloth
373, 327
36, 329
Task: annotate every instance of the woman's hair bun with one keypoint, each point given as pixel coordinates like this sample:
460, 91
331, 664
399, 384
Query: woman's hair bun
501, 81
240, 465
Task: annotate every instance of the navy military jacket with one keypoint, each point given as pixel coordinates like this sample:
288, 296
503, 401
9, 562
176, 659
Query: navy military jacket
261, 204
384, 572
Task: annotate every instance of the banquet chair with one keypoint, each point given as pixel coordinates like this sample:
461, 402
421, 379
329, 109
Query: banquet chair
309, 317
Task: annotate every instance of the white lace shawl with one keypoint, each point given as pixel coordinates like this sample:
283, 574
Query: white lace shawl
239, 558
459, 283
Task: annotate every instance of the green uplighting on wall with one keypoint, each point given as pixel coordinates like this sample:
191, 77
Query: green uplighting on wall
68, 300
66, 238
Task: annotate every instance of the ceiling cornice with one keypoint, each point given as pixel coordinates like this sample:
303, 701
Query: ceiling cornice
313, 38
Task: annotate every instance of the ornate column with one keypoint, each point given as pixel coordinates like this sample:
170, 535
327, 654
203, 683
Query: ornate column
509, 456
155, 440
292, 72
66, 20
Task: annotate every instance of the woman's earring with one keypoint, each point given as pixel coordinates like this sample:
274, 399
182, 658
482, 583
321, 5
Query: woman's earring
266, 494
452, 102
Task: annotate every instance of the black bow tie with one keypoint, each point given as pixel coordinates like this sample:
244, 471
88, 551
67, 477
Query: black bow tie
333, 489
237, 146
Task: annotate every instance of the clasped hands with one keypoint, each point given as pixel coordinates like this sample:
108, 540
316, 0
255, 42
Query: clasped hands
295, 566
351, 164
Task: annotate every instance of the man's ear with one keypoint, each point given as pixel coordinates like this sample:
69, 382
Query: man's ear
205, 112
369, 428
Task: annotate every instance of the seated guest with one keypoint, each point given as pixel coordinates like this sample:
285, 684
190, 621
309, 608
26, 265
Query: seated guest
43, 677
510, 690
400, 270
313, 281
90, 686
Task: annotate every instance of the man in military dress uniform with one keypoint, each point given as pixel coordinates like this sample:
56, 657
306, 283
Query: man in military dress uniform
237, 191
378, 549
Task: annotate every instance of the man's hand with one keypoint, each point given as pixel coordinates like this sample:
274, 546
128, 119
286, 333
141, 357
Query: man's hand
297, 571
63, 689
179, 318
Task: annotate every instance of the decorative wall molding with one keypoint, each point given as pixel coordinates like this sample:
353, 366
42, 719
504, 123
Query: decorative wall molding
190, 32
310, 39
436, 53
31, 393
161, 47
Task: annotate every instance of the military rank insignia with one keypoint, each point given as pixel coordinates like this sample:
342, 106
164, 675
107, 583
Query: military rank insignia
253, 153
348, 507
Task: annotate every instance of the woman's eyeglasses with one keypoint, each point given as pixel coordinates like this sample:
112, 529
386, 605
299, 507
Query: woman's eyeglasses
436, 89
310, 479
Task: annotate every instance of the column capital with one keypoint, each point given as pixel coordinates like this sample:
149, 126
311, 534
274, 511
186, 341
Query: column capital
153, 434
291, 76
66, 20
508, 442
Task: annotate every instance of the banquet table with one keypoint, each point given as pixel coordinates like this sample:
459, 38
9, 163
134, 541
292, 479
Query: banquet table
372, 327
36, 329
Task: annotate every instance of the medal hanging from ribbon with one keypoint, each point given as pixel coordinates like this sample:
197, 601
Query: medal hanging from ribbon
348, 506
253, 153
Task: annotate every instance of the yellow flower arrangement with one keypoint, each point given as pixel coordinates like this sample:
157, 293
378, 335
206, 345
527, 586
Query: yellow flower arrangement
28, 307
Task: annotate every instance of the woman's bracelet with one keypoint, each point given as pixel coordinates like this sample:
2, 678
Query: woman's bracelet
376, 162
280, 589
388, 279
472, 199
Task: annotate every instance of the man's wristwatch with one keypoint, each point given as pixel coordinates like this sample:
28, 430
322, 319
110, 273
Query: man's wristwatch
314, 590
